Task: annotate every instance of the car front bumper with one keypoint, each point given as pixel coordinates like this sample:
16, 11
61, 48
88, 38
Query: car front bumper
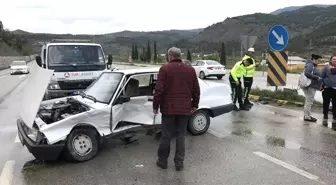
219, 110
23, 71
215, 73
39, 151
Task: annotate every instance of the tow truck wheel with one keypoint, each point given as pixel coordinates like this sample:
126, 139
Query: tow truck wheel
82, 145
199, 122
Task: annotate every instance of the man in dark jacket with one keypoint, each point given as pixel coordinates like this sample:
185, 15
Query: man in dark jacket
177, 94
329, 87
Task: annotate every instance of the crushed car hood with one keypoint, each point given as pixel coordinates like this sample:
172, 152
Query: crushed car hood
33, 93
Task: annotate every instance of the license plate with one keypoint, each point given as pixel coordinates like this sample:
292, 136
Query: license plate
75, 92
218, 68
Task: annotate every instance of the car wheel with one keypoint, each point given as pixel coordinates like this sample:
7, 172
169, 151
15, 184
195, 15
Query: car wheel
202, 75
219, 77
199, 122
82, 145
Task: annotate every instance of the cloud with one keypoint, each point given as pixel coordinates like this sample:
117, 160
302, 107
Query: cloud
31, 7
106, 16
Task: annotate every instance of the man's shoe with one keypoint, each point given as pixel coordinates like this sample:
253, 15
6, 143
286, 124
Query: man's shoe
325, 117
311, 119
179, 168
161, 164
235, 108
243, 107
248, 103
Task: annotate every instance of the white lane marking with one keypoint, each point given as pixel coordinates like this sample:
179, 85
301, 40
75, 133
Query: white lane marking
17, 140
3, 76
7, 173
288, 166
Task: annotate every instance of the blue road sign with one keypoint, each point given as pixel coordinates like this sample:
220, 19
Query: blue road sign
278, 38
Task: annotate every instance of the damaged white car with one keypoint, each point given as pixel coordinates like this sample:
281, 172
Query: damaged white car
117, 103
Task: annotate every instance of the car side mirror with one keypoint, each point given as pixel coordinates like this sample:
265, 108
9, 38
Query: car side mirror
38, 60
123, 99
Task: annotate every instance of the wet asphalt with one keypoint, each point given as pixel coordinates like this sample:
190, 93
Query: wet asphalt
227, 154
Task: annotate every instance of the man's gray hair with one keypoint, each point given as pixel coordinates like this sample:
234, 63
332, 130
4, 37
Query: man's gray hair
174, 52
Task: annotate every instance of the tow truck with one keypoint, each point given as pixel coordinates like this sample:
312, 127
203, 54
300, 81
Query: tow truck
76, 64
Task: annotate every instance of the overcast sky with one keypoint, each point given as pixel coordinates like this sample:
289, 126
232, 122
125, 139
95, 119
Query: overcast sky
106, 16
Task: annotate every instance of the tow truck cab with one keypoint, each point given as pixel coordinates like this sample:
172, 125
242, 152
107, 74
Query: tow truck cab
76, 64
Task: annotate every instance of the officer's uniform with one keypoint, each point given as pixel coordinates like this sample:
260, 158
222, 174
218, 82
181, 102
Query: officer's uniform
248, 78
236, 73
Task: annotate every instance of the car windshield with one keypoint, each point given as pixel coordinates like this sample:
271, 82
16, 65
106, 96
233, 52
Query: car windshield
103, 89
75, 58
19, 63
211, 62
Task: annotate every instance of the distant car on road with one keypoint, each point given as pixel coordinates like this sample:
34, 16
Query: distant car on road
19, 67
209, 68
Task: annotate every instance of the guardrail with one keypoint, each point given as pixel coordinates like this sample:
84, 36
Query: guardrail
5, 61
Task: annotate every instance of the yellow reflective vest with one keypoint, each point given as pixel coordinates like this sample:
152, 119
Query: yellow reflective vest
250, 70
238, 70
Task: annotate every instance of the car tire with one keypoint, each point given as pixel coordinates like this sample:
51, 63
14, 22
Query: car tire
199, 123
78, 141
219, 77
202, 75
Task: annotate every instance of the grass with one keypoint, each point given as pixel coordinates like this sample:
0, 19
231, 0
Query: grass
286, 94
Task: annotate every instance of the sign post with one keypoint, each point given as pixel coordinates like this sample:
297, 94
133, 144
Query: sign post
277, 60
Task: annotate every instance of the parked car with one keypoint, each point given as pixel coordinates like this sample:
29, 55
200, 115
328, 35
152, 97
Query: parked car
209, 68
19, 67
117, 103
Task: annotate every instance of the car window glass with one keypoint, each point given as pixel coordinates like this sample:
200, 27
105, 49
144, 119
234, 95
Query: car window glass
200, 63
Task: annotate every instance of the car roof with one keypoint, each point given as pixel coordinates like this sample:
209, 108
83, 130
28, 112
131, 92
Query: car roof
138, 70
73, 43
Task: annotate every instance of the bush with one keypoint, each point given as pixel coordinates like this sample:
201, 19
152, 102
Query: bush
288, 95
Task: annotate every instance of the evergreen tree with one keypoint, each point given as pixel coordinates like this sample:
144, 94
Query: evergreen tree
136, 53
148, 53
223, 55
189, 56
155, 52
143, 54
133, 52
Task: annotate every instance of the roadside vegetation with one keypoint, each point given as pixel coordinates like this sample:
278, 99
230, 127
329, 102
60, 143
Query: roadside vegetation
11, 44
289, 95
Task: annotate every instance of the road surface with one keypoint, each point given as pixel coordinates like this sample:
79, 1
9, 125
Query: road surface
264, 146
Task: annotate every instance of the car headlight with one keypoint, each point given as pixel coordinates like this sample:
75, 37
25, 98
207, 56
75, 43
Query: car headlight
53, 86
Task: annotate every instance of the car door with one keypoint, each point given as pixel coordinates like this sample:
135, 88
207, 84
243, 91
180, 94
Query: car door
138, 110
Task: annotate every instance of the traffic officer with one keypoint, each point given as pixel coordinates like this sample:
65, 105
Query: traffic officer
236, 73
248, 76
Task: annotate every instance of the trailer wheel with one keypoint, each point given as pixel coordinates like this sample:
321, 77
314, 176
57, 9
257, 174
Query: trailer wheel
199, 122
82, 145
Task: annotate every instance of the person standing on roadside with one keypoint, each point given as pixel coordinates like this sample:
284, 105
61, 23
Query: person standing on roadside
177, 94
328, 75
248, 76
313, 74
236, 73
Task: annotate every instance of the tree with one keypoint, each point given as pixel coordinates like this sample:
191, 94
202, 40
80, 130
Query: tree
1, 26
136, 53
189, 56
133, 52
143, 54
148, 53
155, 52
223, 55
